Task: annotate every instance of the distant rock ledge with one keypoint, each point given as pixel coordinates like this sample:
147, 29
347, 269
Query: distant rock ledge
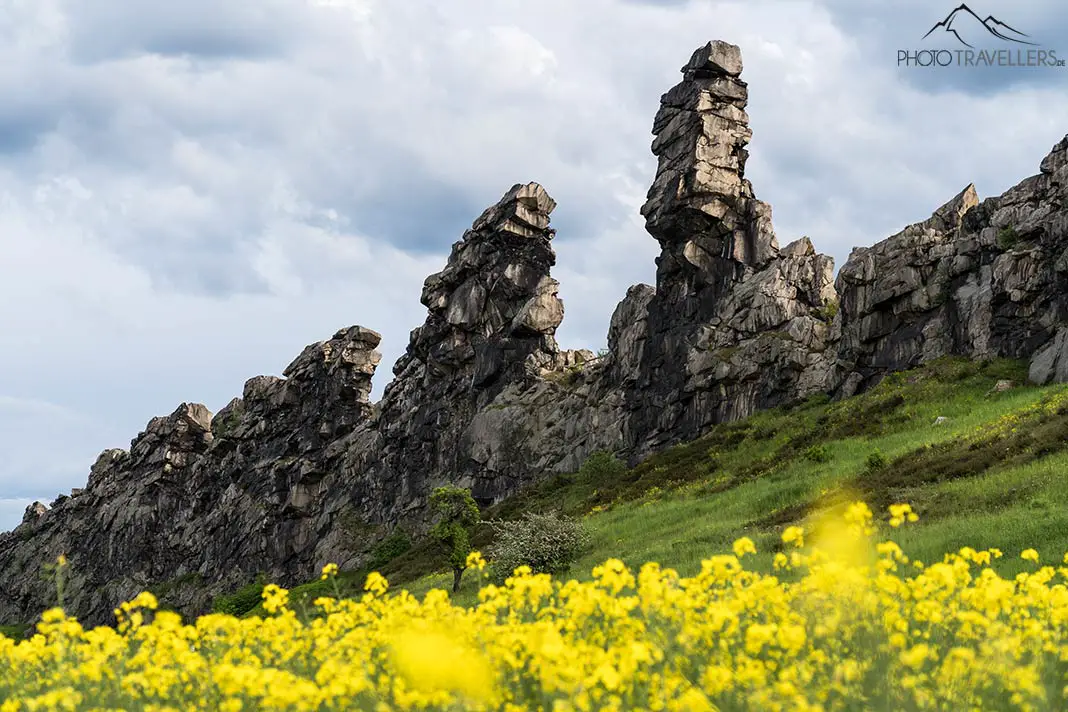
303, 470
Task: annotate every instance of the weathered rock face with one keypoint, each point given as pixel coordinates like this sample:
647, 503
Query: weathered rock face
483, 397
199, 503
980, 279
303, 470
111, 531
735, 323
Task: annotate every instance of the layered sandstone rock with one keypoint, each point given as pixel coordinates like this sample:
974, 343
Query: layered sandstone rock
735, 323
979, 279
303, 469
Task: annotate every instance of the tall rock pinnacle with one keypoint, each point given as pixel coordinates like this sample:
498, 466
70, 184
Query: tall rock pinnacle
494, 305
700, 206
734, 324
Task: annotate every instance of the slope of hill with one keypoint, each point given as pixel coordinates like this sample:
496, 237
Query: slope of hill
981, 455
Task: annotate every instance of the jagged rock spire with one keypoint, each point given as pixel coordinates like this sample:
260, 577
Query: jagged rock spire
700, 206
494, 304
733, 325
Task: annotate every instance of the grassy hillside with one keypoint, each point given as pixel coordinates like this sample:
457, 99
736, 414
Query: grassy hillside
989, 475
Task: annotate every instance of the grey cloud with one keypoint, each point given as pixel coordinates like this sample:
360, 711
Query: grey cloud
110, 29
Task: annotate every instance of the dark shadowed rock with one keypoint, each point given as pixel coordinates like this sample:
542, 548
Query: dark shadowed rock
302, 469
979, 279
734, 324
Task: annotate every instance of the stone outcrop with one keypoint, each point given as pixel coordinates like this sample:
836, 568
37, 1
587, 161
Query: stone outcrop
980, 279
117, 532
735, 323
303, 469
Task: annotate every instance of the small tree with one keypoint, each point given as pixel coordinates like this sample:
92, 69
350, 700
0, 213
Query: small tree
457, 514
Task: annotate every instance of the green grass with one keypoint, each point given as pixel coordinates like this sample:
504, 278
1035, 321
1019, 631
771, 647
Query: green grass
971, 481
991, 475
15, 632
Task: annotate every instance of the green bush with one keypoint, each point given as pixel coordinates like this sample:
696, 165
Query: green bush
1007, 237
389, 549
601, 466
876, 461
829, 310
547, 543
240, 601
817, 453
15, 632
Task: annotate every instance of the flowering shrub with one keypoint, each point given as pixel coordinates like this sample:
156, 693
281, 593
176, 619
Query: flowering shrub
845, 622
547, 543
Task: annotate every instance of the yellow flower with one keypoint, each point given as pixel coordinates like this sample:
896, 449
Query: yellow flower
850, 622
794, 535
916, 656
328, 571
430, 660
901, 513
275, 598
376, 583
743, 546
475, 560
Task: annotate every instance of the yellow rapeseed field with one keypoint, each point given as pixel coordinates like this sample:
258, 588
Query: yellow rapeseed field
846, 622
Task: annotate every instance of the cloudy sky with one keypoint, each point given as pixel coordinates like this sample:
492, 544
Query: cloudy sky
192, 192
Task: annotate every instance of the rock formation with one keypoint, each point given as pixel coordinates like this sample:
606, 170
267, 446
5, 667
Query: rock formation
303, 470
735, 324
979, 279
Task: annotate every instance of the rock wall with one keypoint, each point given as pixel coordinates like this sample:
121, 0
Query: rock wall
980, 279
736, 323
303, 469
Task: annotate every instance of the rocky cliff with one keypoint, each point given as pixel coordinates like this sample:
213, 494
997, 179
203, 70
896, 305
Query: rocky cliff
977, 279
735, 323
303, 469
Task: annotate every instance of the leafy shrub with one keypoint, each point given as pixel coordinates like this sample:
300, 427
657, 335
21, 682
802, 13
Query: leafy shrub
817, 453
389, 549
240, 601
1007, 237
547, 543
876, 461
15, 632
601, 466
829, 310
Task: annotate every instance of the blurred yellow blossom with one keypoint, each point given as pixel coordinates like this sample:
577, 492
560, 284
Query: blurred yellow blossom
847, 626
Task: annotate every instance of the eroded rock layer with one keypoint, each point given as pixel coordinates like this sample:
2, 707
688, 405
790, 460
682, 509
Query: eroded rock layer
303, 469
735, 324
980, 279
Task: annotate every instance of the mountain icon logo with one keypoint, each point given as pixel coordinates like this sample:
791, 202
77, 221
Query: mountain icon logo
965, 25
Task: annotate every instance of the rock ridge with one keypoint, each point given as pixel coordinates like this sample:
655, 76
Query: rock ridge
303, 469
